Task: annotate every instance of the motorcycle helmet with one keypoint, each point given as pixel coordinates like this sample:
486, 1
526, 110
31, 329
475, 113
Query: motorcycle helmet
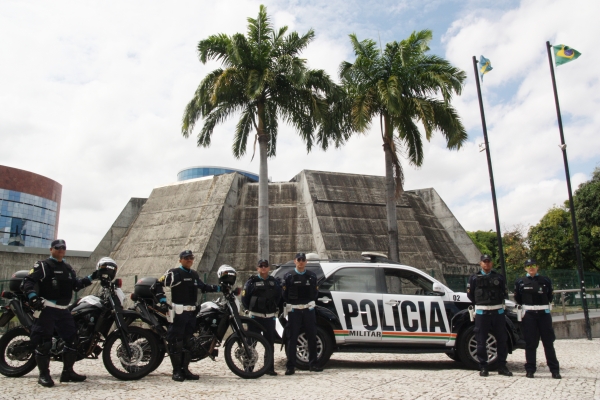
226, 275
107, 268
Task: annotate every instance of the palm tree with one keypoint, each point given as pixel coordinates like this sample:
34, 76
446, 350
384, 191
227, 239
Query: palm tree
402, 86
263, 80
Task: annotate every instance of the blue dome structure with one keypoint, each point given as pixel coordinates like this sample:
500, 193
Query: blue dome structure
201, 171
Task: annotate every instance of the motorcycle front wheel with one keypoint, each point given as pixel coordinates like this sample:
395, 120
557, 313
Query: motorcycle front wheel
144, 354
16, 354
252, 364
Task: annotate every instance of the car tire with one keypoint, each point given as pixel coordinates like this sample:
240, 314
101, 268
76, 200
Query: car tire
324, 349
467, 349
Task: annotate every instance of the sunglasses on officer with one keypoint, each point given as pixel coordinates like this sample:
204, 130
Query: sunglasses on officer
263, 266
188, 258
301, 259
60, 247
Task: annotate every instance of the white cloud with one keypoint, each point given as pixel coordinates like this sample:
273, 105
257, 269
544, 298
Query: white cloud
93, 93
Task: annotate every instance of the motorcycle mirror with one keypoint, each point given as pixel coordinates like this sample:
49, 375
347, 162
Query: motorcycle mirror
118, 283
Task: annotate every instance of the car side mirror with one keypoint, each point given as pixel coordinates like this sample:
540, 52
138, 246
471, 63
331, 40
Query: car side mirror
438, 288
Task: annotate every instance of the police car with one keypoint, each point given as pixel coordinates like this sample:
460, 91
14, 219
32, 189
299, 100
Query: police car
374, 305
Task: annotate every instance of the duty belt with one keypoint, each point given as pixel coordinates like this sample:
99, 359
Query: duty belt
261, 315
292, 307
183, 308
48, 303
536, 308
488, 308
302, 306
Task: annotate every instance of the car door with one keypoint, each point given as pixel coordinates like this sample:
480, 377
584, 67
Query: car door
416, 313
354, 292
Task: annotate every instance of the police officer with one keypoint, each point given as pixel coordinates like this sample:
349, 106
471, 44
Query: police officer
534, 293
487, 290
300, 292
261, 296
184, 283
49, 287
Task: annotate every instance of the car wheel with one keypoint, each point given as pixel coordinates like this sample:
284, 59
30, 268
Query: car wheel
467, 349
324, 349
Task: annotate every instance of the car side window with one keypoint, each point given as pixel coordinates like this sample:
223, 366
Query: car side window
351, 280
399, 281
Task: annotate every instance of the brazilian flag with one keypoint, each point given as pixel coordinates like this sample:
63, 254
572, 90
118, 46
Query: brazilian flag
485, 66
563, 54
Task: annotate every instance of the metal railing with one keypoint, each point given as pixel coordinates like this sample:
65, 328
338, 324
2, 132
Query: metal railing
563, 298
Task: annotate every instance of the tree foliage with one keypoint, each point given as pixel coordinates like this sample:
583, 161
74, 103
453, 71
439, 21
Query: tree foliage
264, 81
486, 242
551, 240
587, 214
404, 88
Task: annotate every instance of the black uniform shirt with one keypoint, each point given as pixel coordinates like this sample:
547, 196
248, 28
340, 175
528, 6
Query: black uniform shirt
288, 282
43, 271
184, 284
472, 287
542, 297
251, 284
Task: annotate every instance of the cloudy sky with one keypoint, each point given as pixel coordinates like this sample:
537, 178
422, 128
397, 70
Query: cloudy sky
92, 95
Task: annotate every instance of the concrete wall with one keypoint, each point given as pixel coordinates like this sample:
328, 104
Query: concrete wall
575, 328
450, 223
192, 215
16, 258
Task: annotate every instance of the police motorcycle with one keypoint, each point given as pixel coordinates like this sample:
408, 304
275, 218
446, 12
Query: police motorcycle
218, 324
128, 352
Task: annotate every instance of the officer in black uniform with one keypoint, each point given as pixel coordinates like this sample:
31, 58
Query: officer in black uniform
487, 290
49, 287
300, 291
534, 293
261, 296
184, 283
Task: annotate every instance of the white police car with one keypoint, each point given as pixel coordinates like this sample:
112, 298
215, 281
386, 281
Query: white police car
375, 305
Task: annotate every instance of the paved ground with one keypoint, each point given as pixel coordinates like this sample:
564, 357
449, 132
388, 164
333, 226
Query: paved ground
367, 376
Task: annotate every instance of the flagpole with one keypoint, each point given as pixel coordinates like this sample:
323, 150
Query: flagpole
563, 147
491, 173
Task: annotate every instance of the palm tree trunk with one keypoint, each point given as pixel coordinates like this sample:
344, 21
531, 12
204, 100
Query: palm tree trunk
390, 197
263, 188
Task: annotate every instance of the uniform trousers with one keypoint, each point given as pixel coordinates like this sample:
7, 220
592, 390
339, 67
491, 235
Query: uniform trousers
494, 323
536, 325
52, 319
297, 320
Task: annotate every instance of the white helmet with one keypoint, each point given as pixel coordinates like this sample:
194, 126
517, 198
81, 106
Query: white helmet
107, 267
106, 261
226, 274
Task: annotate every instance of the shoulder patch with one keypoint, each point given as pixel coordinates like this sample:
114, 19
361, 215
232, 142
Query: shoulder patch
244, 292
161, 279
32, 270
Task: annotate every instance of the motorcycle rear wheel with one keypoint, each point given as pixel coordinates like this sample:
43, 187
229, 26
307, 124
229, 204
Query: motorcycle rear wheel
14, 360
244, 366
145, 352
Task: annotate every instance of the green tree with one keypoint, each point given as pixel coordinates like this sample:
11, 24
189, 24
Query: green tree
263, 79
587, 214
551, 240
401, 85
486, 242
516, 251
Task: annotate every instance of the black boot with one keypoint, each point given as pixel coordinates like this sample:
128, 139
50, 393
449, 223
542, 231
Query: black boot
43, 363
178, 374
187, 356
68, 375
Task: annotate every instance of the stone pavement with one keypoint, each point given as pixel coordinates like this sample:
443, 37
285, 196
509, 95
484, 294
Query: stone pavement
347, 376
